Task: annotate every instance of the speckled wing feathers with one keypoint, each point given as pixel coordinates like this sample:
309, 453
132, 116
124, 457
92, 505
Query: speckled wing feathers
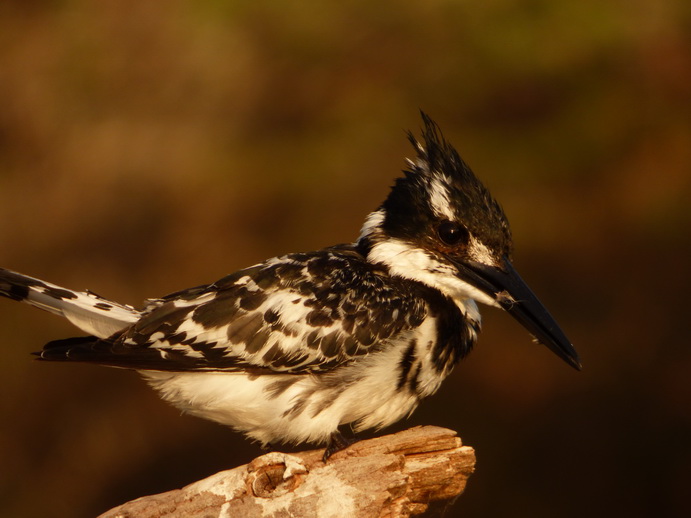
298, 313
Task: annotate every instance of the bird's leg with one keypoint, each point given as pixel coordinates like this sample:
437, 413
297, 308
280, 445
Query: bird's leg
337, 442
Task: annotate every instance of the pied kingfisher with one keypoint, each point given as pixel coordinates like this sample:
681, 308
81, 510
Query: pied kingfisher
356, 334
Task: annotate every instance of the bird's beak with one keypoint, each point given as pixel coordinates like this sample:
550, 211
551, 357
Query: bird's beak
506, 287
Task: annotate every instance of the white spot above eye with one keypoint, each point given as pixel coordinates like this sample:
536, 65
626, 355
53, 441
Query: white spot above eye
439, 199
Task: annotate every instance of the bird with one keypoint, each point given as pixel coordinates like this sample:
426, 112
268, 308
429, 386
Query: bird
305, 347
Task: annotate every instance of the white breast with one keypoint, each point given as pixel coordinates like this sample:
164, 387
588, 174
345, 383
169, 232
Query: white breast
297, 408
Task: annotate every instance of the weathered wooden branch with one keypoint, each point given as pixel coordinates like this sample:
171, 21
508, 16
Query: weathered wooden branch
415, 472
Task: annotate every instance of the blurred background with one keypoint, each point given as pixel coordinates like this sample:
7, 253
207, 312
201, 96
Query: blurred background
148, 147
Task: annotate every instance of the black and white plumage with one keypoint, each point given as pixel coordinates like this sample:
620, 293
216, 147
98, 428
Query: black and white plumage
290, 349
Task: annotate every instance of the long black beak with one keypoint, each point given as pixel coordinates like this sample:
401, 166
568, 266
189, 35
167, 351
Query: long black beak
510, 291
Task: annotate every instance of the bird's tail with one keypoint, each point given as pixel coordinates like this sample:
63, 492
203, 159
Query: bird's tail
86, 310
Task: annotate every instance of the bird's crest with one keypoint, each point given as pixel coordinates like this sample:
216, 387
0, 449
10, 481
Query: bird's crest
438, 185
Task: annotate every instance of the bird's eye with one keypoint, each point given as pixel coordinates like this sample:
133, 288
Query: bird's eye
452, 233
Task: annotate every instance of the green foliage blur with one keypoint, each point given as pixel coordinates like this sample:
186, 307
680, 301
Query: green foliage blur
147, 147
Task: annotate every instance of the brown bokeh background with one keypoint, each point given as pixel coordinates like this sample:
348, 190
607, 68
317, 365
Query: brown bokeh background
148, 147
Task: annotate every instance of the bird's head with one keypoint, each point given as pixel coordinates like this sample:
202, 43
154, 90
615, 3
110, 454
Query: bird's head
440, 226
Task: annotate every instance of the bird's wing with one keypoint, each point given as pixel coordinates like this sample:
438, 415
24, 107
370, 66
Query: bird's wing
298, 313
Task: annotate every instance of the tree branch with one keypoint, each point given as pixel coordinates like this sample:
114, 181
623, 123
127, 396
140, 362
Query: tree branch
416, 471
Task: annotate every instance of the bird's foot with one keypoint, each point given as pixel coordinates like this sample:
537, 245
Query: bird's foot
337, 442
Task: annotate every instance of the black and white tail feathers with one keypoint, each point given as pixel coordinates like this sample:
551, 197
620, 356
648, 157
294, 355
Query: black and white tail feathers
86, 310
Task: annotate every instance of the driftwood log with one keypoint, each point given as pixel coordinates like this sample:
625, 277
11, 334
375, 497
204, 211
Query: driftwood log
416, 472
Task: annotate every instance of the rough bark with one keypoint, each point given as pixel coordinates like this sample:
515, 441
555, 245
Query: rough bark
416, 472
